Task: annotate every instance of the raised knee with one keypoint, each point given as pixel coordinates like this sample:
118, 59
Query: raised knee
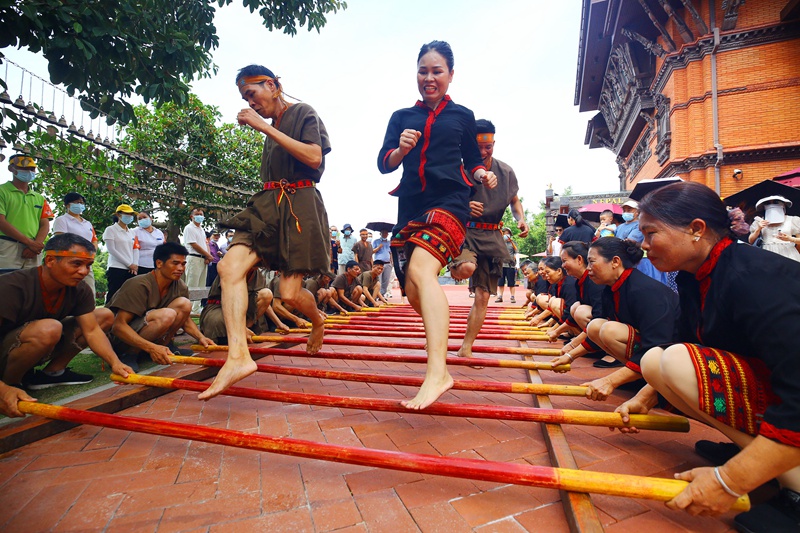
46, 332
104, 317
593, 329
651, 365
163, 318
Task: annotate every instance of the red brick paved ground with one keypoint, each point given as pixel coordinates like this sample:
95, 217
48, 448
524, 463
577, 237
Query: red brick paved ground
92, 479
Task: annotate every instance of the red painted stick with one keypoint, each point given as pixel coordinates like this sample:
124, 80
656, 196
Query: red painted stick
458, 384
412, 346
504, 412
405, 334
394, 358
381, 326
520, 474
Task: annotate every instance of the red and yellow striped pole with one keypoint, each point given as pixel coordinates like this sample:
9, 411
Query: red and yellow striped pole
553, 352
395, 358
386, 333
502, 412
520, 474
458, 384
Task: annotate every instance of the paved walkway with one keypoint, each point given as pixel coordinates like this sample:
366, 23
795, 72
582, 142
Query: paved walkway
92, 479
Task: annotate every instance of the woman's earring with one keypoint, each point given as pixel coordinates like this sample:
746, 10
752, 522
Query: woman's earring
696, 238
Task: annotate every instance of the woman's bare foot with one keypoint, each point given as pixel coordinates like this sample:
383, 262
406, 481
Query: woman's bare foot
314, 343
429, 392
464, 351
232, 371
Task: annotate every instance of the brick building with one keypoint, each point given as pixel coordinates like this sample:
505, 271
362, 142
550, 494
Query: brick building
701, 89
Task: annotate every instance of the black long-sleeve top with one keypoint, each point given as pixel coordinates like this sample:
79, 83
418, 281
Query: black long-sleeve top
567, 290
647, 305
448, 138
751, 308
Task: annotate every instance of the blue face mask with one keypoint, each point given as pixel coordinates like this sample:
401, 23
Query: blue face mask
126, 219
145, 223
77, 208
627, 217
334, 233
26, 176
347, 232
199, 218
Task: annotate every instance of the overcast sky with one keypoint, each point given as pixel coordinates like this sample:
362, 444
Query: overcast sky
515, 64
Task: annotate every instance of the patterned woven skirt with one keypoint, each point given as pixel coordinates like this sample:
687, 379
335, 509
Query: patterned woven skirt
734, 389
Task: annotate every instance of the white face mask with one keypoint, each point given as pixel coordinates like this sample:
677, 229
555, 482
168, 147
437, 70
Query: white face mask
26, 176
774, 213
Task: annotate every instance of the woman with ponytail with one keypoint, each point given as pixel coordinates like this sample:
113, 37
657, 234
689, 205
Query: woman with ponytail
560, 297
578, 230
574, 258
737, 369
641, 312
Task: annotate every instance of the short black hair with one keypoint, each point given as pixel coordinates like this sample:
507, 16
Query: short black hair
72, 196
484, 126
350, 264
65, 241
379, 262
167, 250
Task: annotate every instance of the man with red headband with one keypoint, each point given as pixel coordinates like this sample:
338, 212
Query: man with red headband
285, 226
484, 244
24, 217
48, 315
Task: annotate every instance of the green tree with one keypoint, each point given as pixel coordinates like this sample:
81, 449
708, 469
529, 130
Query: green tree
106, 51
191, 161
536, 241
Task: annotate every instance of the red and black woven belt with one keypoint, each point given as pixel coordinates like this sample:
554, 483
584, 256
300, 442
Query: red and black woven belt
483, 225
289, 187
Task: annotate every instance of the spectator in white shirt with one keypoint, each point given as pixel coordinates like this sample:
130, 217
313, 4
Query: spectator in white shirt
194, 238
123, 250
72, 222
149, 237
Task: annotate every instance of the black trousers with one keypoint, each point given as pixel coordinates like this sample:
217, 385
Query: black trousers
116, 277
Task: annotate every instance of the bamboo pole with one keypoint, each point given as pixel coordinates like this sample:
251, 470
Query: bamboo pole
404, 334
503, 412
416, 320
554, 352
458, 384
520, 474
459, 328
395, 358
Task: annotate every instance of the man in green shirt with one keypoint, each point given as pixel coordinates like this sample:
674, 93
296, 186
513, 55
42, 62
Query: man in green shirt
24, 217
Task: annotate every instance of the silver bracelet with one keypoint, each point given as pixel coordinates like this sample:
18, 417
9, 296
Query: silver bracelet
725, 486
571, 360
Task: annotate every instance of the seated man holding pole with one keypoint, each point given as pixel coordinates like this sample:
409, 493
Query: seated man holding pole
259, 303
152, 307
348, 290
370, 282
50, 316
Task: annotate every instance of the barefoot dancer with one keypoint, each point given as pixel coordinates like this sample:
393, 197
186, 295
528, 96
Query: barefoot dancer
285, 226
484, 242
431, 139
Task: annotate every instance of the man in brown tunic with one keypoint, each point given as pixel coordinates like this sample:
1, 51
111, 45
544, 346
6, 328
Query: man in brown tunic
484, 242
362, 252
152, 307
48, 315
370, 282
285, 226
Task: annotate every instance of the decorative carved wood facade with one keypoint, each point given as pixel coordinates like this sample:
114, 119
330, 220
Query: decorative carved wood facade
731, 10
625, 93
663, 130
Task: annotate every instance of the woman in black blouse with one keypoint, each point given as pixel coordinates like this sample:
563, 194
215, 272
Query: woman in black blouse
641, 312
738, 369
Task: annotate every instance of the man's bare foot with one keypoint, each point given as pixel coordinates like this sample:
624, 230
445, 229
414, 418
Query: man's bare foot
465, 351
315, 339
232, 371
429, 392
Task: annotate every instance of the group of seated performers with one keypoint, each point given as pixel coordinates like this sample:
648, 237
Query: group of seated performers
719, 350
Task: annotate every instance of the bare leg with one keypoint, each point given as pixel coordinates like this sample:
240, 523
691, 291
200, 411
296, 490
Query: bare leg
671, 372
426, 295
36, 340
232, 272
294, 294
477, 314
